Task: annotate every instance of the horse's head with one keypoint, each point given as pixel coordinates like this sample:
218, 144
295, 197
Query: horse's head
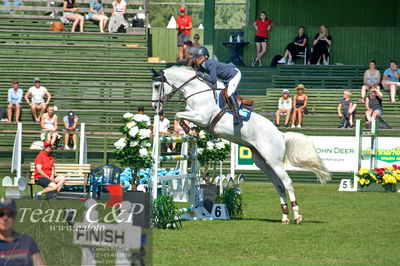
160, 86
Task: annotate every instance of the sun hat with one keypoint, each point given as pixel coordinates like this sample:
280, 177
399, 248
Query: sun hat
300, 86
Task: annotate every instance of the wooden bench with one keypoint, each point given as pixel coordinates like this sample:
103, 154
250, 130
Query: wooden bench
75, 175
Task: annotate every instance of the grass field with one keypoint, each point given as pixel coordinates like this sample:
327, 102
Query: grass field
343, 228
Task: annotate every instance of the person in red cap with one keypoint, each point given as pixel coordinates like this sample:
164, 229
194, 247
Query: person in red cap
45, 174
183, 25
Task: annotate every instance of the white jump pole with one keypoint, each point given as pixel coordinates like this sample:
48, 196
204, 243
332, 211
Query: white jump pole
83, 145
17, 152
156, 152
233, 158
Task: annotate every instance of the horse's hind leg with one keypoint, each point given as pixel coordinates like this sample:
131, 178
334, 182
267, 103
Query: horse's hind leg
260, 162
281, 173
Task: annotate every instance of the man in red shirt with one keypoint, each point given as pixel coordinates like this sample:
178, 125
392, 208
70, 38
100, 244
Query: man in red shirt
183, 25
44, 172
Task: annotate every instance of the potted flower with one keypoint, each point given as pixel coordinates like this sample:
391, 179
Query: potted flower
210, 151
388, 176
134, 149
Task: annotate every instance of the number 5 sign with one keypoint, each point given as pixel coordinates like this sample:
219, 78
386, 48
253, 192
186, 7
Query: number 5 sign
345, 185
220, 212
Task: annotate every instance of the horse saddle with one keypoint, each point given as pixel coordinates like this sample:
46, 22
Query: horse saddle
245, 106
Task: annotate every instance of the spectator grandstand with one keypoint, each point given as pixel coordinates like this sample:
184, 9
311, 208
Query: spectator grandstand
102, 76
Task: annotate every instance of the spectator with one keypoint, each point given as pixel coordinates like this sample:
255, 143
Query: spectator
372, 78
15, 95
262, 26
178, 131
45, 174
373, 104
190, 50
300, 101
163, 127
70, 128
390, 80
346, 110
16, 248
49, 124
183, 25
294, 48
284, 107
142, 116
96, 13
322, 41
71, 14
196, 42
38, 103
118, 16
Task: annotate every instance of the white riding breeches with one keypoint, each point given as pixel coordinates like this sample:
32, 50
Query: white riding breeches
234, 83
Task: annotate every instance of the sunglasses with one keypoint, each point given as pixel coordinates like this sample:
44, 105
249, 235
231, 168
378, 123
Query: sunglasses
9, 214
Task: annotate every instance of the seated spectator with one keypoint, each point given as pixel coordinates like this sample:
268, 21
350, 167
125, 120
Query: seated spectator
96, 13
178, 131
163, 127
346, 110
141, 115
49, 124
284, 107
118, 16
44, 173
295, 48
15, 95
70, 128
322, 41
196, 42
71, 15
300, 101
372, 78
390, 80
190, 50
373, 104
38, 92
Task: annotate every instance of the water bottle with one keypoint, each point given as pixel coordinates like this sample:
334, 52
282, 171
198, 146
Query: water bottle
230, 38
238, 38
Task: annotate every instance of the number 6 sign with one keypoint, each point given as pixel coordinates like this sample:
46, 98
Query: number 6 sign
220, 212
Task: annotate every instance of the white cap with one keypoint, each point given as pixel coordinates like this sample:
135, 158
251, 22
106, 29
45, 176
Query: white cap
285, 91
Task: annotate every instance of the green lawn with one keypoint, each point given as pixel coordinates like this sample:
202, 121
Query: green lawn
339, 227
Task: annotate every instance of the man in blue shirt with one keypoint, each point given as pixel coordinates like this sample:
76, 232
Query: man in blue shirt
15, 248
15, 95
390, 80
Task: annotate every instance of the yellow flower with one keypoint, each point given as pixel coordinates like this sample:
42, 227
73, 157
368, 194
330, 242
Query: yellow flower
367, 181
389, 168
372, 176
361, 181
363, 171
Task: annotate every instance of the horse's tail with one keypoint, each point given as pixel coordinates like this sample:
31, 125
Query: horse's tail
300, 152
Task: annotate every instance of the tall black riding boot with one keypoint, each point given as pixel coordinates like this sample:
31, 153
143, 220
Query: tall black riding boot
237, 119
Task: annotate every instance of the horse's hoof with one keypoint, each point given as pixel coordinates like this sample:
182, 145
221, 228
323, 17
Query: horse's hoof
299, 219
285, 222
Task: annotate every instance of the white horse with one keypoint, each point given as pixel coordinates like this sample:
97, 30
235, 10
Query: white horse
268, 145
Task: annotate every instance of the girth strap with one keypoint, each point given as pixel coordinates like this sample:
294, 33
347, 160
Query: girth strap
215, 121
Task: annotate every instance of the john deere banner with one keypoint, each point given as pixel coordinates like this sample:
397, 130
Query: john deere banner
337, 153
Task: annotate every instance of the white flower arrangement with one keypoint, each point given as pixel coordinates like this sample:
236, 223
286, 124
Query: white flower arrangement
131, 124
144, 133
128, 116
120, 144
133, 131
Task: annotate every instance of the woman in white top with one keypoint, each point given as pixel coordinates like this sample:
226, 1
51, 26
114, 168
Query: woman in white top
372, 78
284, 107
117, 19
49, 124
38, 92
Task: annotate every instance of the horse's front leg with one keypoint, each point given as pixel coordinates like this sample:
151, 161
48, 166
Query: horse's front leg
192, 116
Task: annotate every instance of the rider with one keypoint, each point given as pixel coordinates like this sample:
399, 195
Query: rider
229, 74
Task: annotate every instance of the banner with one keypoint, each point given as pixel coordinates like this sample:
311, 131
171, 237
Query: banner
337, 153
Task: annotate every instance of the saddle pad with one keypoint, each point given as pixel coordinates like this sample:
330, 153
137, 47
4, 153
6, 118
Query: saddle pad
244, 112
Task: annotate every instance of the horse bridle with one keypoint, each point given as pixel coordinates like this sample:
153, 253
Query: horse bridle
163, 79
